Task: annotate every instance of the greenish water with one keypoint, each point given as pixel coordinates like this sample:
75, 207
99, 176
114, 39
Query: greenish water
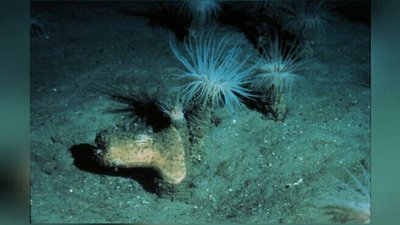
252, 169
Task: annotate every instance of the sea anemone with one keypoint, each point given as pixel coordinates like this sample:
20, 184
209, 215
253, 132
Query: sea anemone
306, 18
279, 69
200, 11
214, 73
174, 110
353, 203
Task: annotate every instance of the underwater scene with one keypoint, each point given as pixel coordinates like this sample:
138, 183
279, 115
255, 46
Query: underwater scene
193, 112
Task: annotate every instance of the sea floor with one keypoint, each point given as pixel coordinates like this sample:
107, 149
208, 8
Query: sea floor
254, 169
